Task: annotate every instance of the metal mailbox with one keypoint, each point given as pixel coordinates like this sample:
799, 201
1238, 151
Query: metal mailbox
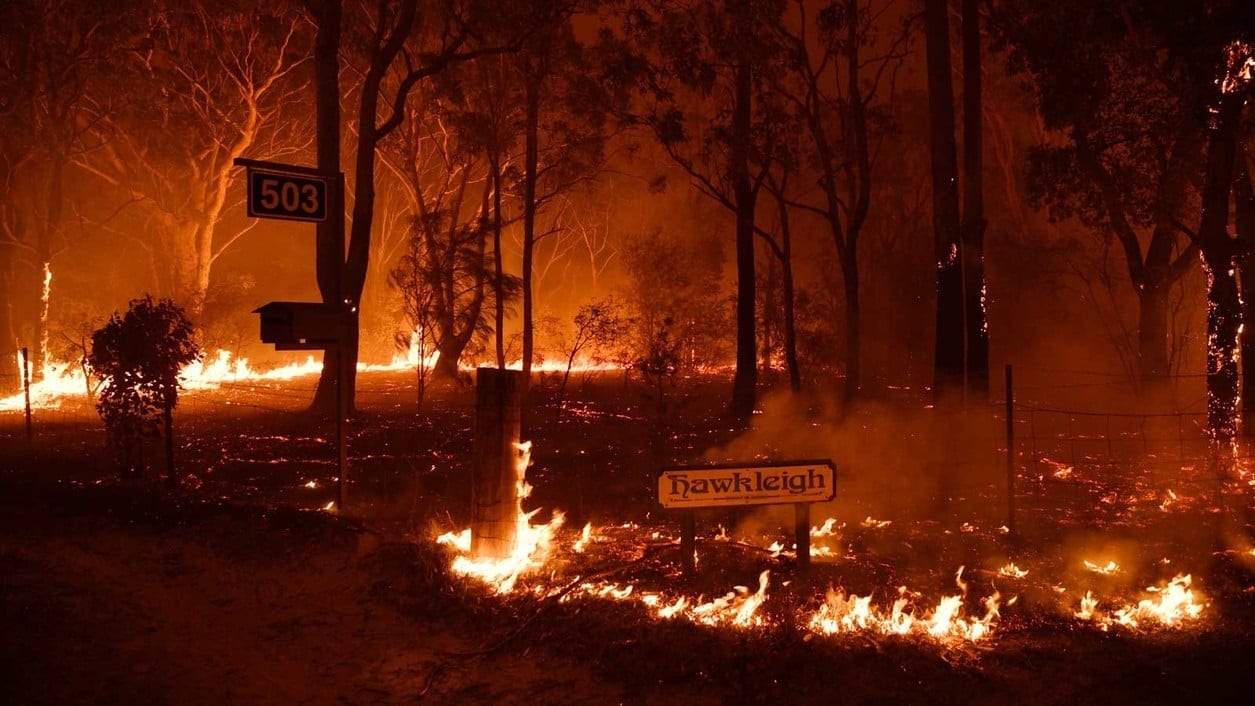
294, 326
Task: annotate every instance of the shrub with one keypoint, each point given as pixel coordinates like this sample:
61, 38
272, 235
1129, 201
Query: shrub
138, 357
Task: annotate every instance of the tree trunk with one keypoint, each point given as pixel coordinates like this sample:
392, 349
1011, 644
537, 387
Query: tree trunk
1152, 334
771, 329
1247, 294
745, 380
1224, 314
45, 301
529, 219
975, 320
853, 330
10, 375
498, 261
329, 248
949, 360
168, 417
1244, 224
790, 329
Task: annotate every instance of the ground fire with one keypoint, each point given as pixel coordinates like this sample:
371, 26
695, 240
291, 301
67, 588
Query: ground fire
701, 352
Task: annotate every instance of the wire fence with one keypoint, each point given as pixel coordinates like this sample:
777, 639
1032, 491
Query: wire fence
1060, 436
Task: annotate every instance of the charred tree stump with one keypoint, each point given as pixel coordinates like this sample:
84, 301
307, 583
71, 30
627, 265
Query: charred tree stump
494, 480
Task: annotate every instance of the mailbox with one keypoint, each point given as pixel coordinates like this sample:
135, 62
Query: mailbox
294, 326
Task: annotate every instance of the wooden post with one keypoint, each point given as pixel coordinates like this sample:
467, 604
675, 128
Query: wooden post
342, 467
802, 528
26, 389
336, 189
688, 542
1010, 394
168, 417
494, 480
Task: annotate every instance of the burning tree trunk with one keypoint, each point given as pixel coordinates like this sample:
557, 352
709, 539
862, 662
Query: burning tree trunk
495, 476
1244, 223
949, 361
1224, 307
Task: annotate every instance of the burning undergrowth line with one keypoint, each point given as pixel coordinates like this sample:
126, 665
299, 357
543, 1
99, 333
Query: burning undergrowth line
951, 621
948, 621
57, 382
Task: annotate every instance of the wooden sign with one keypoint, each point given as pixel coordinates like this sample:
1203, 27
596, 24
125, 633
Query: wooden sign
770, 484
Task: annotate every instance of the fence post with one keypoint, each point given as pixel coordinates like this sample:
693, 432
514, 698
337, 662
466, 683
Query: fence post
1010, 394
495, 473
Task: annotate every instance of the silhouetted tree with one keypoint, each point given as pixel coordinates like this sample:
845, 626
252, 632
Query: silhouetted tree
138, 356
395, 44
839, 91
705, 61
599, 326
975, 315
206, 83
55, 63
1127, 166
949, 358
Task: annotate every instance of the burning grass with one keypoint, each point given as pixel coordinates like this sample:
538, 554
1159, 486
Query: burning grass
950, 621
742, 592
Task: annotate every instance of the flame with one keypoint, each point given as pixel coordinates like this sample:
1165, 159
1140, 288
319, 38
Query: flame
875, 524
1089, 605
1105, 569
739, 607
824, 537
585, 537
1168, 500
62, 381
827, 529
1013, 571
1169, 605
531, 542
1239, 67
45, 294
945, 622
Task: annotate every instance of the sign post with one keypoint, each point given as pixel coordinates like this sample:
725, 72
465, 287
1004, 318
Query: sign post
294, 193
799, 483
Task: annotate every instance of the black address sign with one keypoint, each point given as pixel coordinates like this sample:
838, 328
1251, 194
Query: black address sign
293, 197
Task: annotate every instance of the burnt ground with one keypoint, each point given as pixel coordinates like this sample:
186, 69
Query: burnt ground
238, 588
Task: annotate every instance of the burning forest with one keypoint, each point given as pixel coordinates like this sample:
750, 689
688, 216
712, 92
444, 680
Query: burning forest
626, 352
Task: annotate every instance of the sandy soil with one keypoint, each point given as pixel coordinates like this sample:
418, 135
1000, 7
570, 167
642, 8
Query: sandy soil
97, 613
